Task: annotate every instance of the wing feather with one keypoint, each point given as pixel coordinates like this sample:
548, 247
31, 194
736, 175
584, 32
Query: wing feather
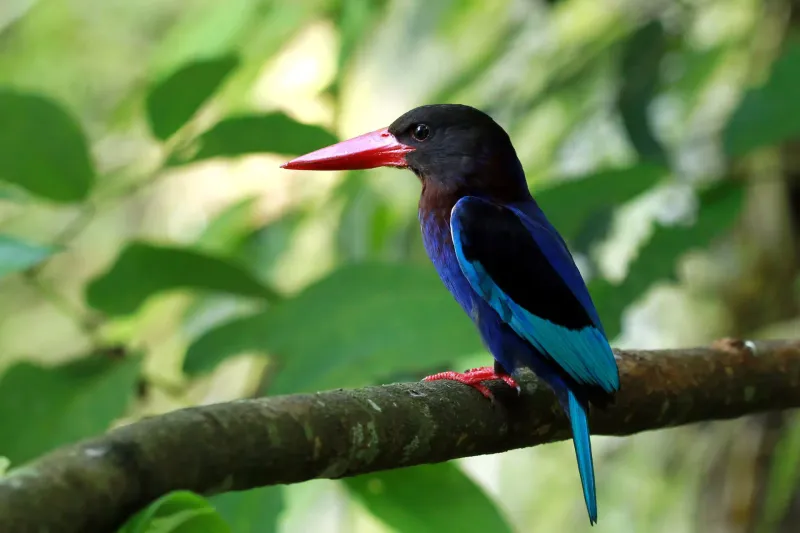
525, 273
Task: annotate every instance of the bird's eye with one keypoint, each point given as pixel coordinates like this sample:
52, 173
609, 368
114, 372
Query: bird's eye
421, 132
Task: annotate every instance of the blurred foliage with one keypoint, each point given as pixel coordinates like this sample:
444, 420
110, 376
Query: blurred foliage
765, 115
177, 512
352, 313
143, 270
655, 261
43, 148
127, 131
274, 132
401, 499
172, 102
18, 256
640, 68
593, 194
49, 407
252, 511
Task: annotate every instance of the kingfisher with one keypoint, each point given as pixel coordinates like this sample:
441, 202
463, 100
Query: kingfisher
499, 256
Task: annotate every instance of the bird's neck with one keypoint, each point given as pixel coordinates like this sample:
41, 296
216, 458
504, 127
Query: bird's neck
438, 201
438, 198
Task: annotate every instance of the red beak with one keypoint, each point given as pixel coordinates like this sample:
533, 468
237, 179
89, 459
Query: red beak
371, 150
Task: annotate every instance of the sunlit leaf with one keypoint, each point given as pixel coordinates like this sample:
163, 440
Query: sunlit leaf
235, 234
657, 259
783, 476
269, 30
365, 222
17, 255
697, 67
177, 512
173, 101
225, 233
349, 329
569, 204
13, 193
429, 498
262, 248
252, 134
208, 31
45, 407
641, 61
251, 511
771, 113
259, 249
567, 81
42, 148
356, 19
143, 270
477, 68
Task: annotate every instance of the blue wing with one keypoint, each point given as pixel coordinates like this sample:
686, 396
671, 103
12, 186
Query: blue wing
523, 269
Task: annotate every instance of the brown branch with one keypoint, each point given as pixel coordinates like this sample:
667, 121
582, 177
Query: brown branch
95, 485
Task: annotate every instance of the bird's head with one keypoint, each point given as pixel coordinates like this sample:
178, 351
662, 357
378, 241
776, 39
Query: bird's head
447, 146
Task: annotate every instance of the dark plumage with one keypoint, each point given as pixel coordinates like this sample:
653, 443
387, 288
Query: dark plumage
499, 256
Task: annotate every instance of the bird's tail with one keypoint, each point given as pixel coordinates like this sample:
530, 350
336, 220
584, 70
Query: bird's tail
576, 410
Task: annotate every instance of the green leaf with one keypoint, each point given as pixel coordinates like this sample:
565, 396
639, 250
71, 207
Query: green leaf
13, 193
784, 474
224, 234
356, 19
569, 204
771, 113
477, 68
267, 32
358, 324
403, 498
719, 208
698, 66
143, 270
365, 222
17, 255
252, 134
177, 512
42, 408
251, 511
172, 102
43, 149
259, 250
263, 248
204, 32
641, 61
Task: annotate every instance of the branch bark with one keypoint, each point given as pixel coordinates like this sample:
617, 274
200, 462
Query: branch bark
96, 484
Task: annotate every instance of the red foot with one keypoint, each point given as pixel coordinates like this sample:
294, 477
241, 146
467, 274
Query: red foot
474, 378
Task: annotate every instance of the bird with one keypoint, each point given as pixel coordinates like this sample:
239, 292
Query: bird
499, 256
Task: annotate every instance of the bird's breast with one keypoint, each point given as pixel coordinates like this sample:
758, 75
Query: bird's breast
438, 242
505, 345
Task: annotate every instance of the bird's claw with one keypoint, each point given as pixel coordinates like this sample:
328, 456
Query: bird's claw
508, 380
475, 377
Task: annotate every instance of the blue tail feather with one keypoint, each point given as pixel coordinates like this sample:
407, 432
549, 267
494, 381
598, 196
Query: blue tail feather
583, 451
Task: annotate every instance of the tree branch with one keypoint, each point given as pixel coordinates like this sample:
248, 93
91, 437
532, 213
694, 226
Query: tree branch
95, 485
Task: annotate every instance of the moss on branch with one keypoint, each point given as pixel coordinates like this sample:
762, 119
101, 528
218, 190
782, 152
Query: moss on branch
96, 484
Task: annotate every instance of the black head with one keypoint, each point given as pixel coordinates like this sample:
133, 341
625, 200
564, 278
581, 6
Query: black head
449, 146
455, 145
